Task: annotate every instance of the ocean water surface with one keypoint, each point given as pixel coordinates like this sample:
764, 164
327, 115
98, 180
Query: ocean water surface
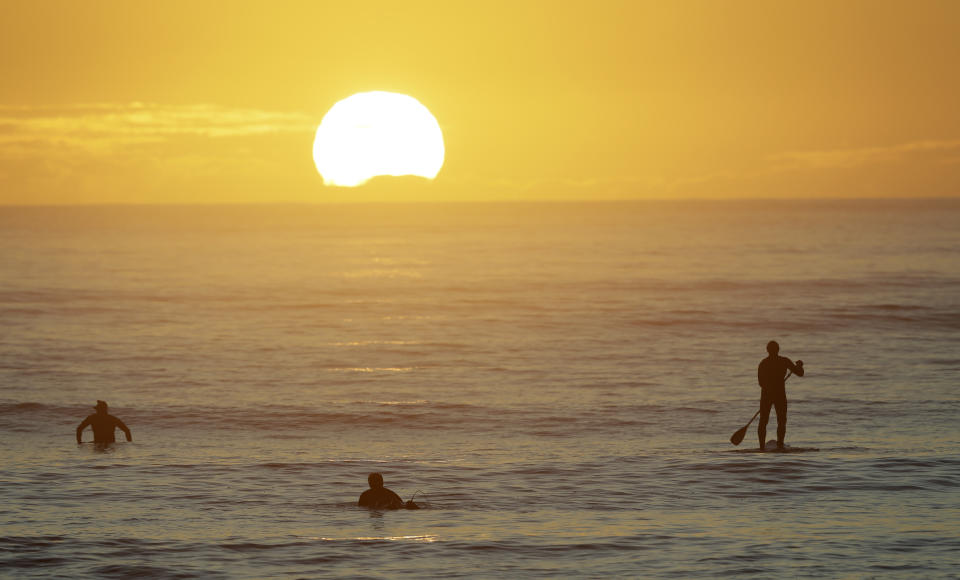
556, 382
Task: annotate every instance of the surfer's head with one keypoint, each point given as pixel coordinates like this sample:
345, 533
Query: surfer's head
375, 480
773, 348
101, 406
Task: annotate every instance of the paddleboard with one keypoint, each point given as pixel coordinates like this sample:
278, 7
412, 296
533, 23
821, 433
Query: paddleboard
771, 447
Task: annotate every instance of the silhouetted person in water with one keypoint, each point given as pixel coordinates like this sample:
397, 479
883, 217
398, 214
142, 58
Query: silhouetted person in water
103, 424
379, 497
771, 375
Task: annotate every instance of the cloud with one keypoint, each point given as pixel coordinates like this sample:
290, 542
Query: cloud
26, 131
142, 152
929, 168
946, 150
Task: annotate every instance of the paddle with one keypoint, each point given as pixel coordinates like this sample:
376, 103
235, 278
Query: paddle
410, 505
737, 437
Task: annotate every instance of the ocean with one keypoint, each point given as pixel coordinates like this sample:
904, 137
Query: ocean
556, 382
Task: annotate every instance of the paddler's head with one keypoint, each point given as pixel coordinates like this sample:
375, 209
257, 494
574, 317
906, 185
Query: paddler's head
375, 480
773, 348
101, 406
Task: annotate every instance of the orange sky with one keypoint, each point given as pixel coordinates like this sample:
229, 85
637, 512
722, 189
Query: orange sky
209, 102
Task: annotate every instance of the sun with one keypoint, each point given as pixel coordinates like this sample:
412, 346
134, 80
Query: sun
377, 133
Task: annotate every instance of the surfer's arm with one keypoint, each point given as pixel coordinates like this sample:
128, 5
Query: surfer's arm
124, 428
80, 428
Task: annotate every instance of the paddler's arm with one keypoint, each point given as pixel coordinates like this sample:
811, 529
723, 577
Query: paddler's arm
797, 367
364, 500
124, 428
80, 428
396, 502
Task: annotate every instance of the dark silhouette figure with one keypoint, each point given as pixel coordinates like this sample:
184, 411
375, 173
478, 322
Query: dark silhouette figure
771, 375
382, 498
103, 425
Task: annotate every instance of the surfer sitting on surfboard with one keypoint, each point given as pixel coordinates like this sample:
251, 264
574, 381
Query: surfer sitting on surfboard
771, 374
382, 498
103, 424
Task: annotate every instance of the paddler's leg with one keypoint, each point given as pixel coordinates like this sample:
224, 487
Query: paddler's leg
765, 403
781, 405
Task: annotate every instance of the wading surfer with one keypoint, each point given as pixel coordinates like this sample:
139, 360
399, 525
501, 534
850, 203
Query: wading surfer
382, 498
103, 425
771, 374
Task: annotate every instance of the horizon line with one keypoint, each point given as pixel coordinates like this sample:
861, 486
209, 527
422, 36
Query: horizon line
481, 202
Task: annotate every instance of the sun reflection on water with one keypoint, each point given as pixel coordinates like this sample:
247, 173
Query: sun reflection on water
428, 538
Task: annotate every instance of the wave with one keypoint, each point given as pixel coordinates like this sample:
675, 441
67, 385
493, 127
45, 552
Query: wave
802, 286
414, 414
876, 318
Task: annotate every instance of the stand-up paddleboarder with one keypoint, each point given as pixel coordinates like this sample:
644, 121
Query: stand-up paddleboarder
771, 374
